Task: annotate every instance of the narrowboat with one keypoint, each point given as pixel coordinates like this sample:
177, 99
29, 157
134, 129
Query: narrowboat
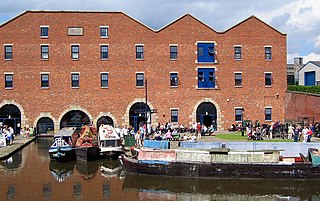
217, 163
109, 142
61, 171
62, 148
87, 148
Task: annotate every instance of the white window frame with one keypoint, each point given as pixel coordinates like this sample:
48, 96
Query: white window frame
143, 53
264, 79
173, 45
75, 59
235, 79
8, 73
234, 55
101, 80
216, 78
41, 51
268, 107
265, 52
44, 26
144, 78
171, 109
104, 59
237, 108
4, 45
45, 73
215, 52
78, 80
170, 79
107, 31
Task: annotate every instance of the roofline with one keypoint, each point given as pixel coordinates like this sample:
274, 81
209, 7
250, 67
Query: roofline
257, 19
121, 12
308, 63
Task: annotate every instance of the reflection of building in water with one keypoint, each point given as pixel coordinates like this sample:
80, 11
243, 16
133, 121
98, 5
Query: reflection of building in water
77, 191
11, 192
14, 162
46, 191
88, 170
106, 190
60, 171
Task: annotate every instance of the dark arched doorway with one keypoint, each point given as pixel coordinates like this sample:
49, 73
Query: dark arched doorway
10, 115
74, 118
207, 114
139, 115
45, 125
105, 120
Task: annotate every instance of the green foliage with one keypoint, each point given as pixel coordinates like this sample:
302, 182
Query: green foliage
306, 89
236, 136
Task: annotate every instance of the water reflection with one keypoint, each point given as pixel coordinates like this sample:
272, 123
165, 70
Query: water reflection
111, 168
77, 191
172, 188
11, 192
88, 170
46, 191
60, 171
14, 162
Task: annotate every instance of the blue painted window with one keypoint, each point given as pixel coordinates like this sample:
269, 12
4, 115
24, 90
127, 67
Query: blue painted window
268, 114
173, 52
44, 51
206, 52
104, 52
268, 53
237, 52
174, 115
139, 52
75, 51
238, 114
104, 80
174, 79
140, 79
44, 80
206, 78
44, 32
238, 79
75, 80
8, 81
268, 79
104, 32
8, 52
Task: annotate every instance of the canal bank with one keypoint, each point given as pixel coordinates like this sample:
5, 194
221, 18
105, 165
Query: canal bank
18, 143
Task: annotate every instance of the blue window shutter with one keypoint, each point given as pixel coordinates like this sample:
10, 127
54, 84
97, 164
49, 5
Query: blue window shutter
206, 52
206, 78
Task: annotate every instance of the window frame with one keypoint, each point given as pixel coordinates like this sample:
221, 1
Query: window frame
42, 35
75, 81
75, 52
43, 81
102, 74
43, 53
8, 84
173, 54
268, 54
174, 118
174, 83
268, 116
206, 52
237, 82
8, 55
238, 117
204, 78
107, 31
267, 80
237, 53
139, 82
139, 55
102, 53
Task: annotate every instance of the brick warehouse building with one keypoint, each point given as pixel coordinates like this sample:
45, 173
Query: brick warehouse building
67, 68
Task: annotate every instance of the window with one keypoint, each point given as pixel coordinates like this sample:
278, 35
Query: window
238, 79
174, 79
174, 115
206, 52
237, 52
268, 79
238, 114
104, 80
8, 52
173, 52
268, 114
206, 78
44, 51
44, 31
74, 51
8, 81
104, 52
139, 52
104, 31
45, 80
140, 79
75, 80
268, 53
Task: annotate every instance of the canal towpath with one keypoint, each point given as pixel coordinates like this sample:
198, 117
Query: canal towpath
18, 143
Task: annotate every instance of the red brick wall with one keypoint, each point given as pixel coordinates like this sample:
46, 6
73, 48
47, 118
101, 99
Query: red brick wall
300, 105
124, 32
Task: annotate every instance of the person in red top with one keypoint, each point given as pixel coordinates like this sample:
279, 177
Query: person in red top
309, 135
199, 130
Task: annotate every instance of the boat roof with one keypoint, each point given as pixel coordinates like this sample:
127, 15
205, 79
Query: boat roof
65, 132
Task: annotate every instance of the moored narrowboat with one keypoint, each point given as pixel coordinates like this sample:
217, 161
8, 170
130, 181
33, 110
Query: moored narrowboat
86, 146
109, 142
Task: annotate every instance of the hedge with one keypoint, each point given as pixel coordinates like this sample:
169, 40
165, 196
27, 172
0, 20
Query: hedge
306, 89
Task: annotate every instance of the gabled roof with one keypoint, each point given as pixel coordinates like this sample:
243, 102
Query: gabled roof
316, 63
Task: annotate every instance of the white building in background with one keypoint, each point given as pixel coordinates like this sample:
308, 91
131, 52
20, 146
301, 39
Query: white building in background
309, 74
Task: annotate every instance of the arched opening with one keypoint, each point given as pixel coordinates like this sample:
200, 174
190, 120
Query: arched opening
105, 120
10, 116
74, 118
139, 114
207, 114
45, 125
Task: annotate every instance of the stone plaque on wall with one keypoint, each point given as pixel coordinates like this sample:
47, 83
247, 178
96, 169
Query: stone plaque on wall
75, 31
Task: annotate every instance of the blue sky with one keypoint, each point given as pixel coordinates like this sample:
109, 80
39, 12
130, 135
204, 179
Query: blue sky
299, 19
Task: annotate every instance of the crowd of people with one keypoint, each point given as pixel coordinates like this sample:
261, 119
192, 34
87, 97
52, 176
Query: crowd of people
7, 134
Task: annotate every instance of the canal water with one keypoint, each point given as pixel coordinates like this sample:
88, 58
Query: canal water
30, 175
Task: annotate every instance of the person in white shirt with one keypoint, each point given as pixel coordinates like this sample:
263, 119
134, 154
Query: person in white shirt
305, 133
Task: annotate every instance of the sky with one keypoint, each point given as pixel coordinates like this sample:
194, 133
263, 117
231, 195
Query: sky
299, 19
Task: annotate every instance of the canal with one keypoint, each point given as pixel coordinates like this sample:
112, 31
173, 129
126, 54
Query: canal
30, 175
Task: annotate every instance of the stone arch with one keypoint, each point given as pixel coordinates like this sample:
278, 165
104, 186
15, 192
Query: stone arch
24, 119
125, 118
109, 114
220, 116
72, 107
45, 115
